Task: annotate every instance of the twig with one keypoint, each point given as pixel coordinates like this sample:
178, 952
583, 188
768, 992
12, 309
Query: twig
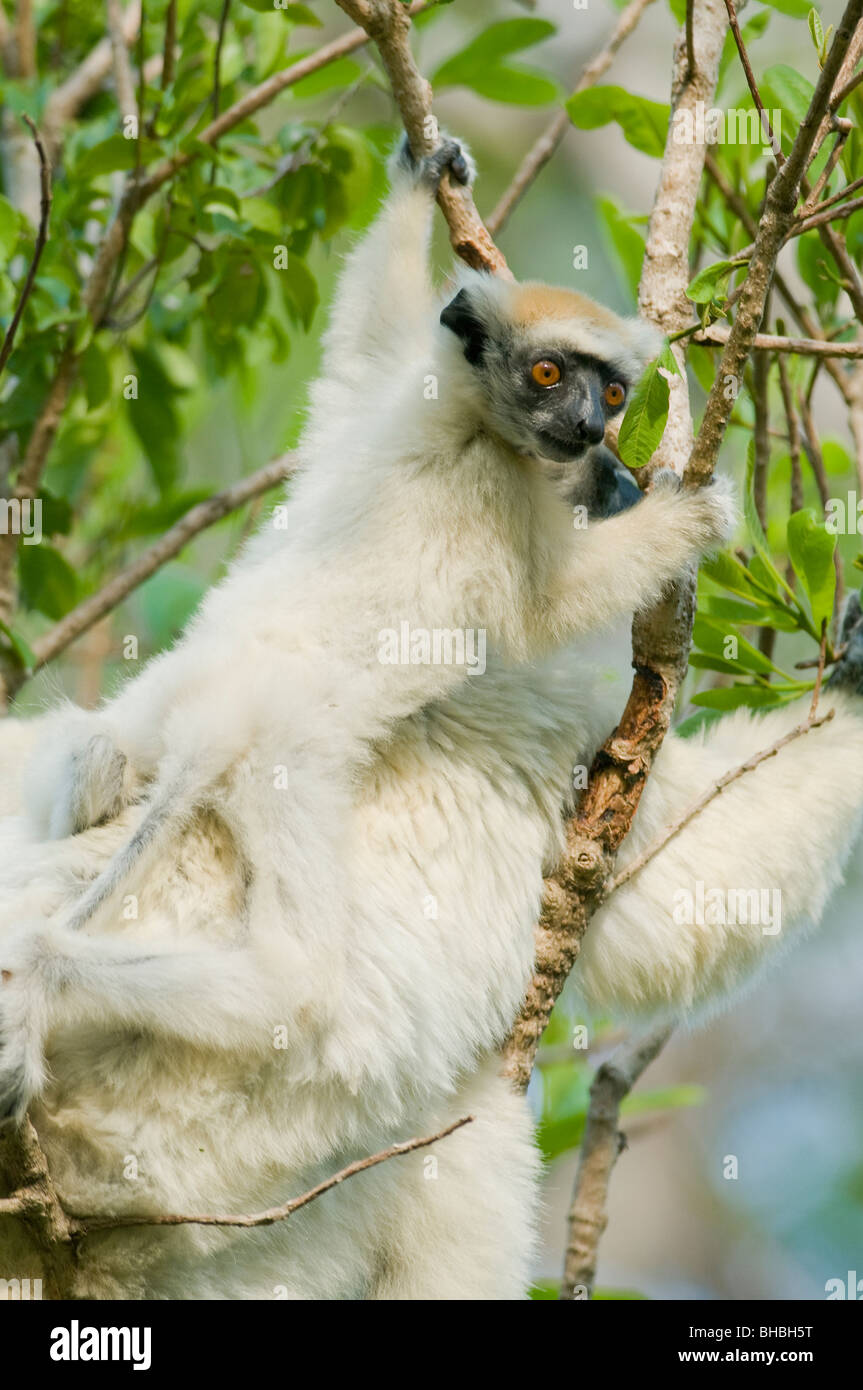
776, 219
695, 809
793, 437
600, 1149
541, 152
845, 90
717, 334
845, 128
34, 1201
822, 216
41, 238
217, 70
84, 1225
169, 54
752, 84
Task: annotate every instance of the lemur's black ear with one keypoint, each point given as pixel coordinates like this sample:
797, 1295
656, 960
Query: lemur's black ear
461, 316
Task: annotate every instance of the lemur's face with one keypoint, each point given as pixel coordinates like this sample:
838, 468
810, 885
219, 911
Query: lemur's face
545, 362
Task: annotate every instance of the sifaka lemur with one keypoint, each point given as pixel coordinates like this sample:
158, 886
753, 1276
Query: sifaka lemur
271, 908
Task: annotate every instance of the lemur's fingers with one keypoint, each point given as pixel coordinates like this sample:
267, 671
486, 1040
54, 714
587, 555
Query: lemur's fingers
450, 156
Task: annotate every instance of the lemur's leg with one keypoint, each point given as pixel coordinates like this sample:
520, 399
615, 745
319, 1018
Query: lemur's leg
777, 839
461, 1215
625, 562
384, 305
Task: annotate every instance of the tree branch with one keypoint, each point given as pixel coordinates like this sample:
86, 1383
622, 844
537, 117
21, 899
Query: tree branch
600, 1148
41, 238
192, 523
717, 335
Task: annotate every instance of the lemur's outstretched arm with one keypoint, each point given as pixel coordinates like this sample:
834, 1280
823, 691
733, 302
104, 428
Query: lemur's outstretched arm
771, 845
384, 307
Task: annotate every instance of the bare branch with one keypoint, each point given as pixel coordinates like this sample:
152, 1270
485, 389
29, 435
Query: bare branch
600, 1148
541, 152
717, 335
34, 1201
199, 518
84, 1225
41, 238
752, 84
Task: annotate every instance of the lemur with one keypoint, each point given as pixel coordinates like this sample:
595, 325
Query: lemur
344, 856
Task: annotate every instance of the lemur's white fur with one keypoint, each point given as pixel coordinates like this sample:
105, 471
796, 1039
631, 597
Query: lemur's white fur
375, 917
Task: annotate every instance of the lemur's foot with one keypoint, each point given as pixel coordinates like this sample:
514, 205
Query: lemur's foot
450, 157
848, 672
79, 779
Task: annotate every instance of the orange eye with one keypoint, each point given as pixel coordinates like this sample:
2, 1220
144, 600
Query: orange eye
614, 394
545, 373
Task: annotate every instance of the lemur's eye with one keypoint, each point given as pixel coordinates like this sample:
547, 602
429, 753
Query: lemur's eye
545, 373
614, 394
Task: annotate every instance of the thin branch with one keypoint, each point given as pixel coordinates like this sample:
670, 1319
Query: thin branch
821, 217
844, 130
199, 518
796, 501
541, 152
845, 90
695, 809
84, 1225
752, 84
41, 238
717, 335
25, 40
34, 1201
217, 70
600, 1149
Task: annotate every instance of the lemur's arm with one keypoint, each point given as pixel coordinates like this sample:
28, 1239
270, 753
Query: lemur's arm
625, 562
384, 304
775, 840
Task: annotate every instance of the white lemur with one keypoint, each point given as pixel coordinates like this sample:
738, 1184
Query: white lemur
272, 907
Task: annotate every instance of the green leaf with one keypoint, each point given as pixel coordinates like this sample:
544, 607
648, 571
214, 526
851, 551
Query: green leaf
300, 291
694, 723
112, 154
748, 614
627, 241
644, 123
816, 29
24, 655
711, 635
797, 9
48, 582
786, 87
708, 283
736, 696
480, 66
10, 226
647, 413
811, 547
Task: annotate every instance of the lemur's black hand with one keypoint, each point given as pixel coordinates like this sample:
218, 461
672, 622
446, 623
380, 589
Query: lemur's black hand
450, 157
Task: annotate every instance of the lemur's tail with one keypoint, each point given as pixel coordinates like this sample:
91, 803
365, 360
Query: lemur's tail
173, 799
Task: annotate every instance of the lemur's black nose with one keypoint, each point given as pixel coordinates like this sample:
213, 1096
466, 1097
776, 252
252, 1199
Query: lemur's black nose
590, 428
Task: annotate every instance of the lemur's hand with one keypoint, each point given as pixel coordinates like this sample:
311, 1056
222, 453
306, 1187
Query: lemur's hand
77, 779
710, 513
848, 672
451, 157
